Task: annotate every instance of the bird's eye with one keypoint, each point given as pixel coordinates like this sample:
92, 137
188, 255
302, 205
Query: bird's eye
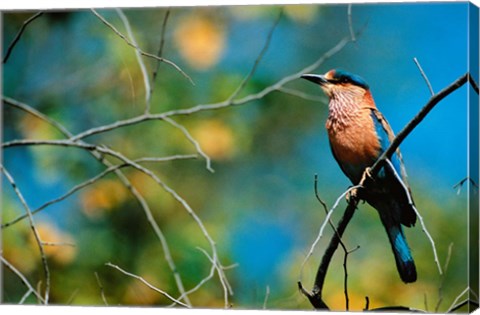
344, 80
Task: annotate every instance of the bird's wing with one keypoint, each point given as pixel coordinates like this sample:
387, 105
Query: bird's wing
397, 185
385, 135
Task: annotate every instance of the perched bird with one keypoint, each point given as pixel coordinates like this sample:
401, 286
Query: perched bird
358, 135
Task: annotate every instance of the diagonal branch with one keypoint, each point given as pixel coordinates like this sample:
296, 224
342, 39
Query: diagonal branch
154, 288
138, 55
19, 34
24, 280
434, 100
38, 240
259, 58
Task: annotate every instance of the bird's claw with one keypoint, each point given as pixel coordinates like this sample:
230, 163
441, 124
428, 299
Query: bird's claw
353, 194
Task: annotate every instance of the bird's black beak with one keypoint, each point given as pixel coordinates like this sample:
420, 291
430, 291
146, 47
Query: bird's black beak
315, 78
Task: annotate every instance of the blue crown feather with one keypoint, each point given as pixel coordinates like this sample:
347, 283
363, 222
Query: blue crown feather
347, 77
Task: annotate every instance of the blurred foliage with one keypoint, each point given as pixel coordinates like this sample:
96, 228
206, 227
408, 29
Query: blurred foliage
259, 205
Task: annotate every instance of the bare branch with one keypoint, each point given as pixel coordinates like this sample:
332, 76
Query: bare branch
58, 243
32, 111
138, 48
19, 34
422, 223
322, 227
350, 23
226, 286
192, 140
418, 119
267, 295
102, 293
143, 69
168, 296
160, 50
25, 296
202, 282
315, 297
473, 83
38, 240
259, 58
24, 280
454, 303
424, 76
440, 289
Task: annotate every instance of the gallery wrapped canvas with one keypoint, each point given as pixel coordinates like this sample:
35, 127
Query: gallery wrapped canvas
246, 157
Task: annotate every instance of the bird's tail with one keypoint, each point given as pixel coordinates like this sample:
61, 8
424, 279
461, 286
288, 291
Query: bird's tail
403, 257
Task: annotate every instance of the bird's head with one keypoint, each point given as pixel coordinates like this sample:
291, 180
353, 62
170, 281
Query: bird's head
338, 82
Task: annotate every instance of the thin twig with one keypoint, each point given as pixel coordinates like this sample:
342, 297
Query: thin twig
32, 111
154, 288
19, 34
462, 304
72, 297
102, 292
162, 43
440, 288
38, 240
422, 223
315, 297
140, 50
259, 58
345, 279
473, 83
424, 76
434, 100
454, 303
143, 69
322, 227
202, 282
25, 296
192, 140
459, 185
58, 243
225, 285
350, 23
267, 295
24, 280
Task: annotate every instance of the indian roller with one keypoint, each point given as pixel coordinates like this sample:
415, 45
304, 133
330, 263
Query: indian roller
358, 134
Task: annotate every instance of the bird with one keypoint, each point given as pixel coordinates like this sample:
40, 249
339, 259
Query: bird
358, 134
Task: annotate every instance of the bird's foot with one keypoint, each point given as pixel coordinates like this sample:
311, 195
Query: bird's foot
368, 179
353, 194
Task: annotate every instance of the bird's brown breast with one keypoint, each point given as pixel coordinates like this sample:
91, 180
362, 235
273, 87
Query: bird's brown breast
353, 139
